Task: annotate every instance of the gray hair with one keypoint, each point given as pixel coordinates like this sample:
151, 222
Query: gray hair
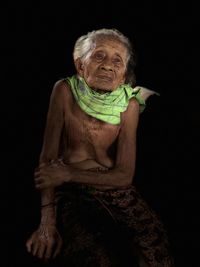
85, 44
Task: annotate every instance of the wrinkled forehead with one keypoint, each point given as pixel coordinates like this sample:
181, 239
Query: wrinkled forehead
112, 42
109, 40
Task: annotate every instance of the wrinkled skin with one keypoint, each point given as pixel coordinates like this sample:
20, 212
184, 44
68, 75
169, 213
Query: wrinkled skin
88, 142
45, 242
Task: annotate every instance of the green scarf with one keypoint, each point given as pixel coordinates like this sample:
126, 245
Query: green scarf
105, 107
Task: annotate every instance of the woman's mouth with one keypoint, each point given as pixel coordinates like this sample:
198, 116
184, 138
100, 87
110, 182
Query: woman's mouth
105, 77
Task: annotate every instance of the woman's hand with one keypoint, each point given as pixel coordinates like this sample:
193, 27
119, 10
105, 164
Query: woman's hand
51, 175
45, 242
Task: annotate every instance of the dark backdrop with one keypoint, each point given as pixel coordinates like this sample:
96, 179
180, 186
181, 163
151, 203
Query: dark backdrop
42, 38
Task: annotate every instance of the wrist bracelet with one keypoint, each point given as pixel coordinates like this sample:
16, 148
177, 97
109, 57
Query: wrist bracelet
49, 204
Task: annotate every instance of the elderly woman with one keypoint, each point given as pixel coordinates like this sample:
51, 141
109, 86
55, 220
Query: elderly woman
87, 164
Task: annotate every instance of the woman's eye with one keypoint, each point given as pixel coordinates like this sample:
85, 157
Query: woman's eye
99, 56
117, 61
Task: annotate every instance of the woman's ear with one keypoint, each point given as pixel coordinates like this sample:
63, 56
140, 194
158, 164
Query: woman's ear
79, 66
123, 80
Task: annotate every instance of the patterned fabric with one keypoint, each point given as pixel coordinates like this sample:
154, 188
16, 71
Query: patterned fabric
105, 107
110, 228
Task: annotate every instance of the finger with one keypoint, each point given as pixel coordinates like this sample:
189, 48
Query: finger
41, 250
39, 186
29, 244
39, 180
48, 252
37, 173
40, 172
58, 248
35, 248
42, 165
41, 183
42, 186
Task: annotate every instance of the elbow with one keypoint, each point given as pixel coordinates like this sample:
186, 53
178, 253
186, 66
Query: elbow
125, 179
126, 182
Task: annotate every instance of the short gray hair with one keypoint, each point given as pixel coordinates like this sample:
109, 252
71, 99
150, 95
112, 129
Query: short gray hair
85, 44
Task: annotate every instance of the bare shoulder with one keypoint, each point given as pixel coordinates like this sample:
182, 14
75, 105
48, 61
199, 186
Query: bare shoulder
133, 108
133, 105
131, 115
61, 87
61, 91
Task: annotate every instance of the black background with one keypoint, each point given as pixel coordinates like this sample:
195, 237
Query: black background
41, 39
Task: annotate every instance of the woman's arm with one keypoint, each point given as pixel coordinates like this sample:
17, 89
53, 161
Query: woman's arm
41, 241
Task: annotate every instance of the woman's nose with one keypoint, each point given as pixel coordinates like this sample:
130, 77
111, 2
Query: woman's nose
107, 66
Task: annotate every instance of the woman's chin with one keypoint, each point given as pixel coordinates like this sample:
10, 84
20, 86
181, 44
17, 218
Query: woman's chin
104, 88
104, 85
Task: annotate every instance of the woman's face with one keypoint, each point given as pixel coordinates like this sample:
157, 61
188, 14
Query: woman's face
105, 68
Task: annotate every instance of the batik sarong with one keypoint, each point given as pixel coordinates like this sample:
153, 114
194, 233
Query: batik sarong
109, 228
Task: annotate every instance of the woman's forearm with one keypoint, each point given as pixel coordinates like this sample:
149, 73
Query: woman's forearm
57, 174
48, 214
114, 178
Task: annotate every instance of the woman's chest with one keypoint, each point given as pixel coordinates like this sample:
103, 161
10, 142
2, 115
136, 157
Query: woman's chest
84, 129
